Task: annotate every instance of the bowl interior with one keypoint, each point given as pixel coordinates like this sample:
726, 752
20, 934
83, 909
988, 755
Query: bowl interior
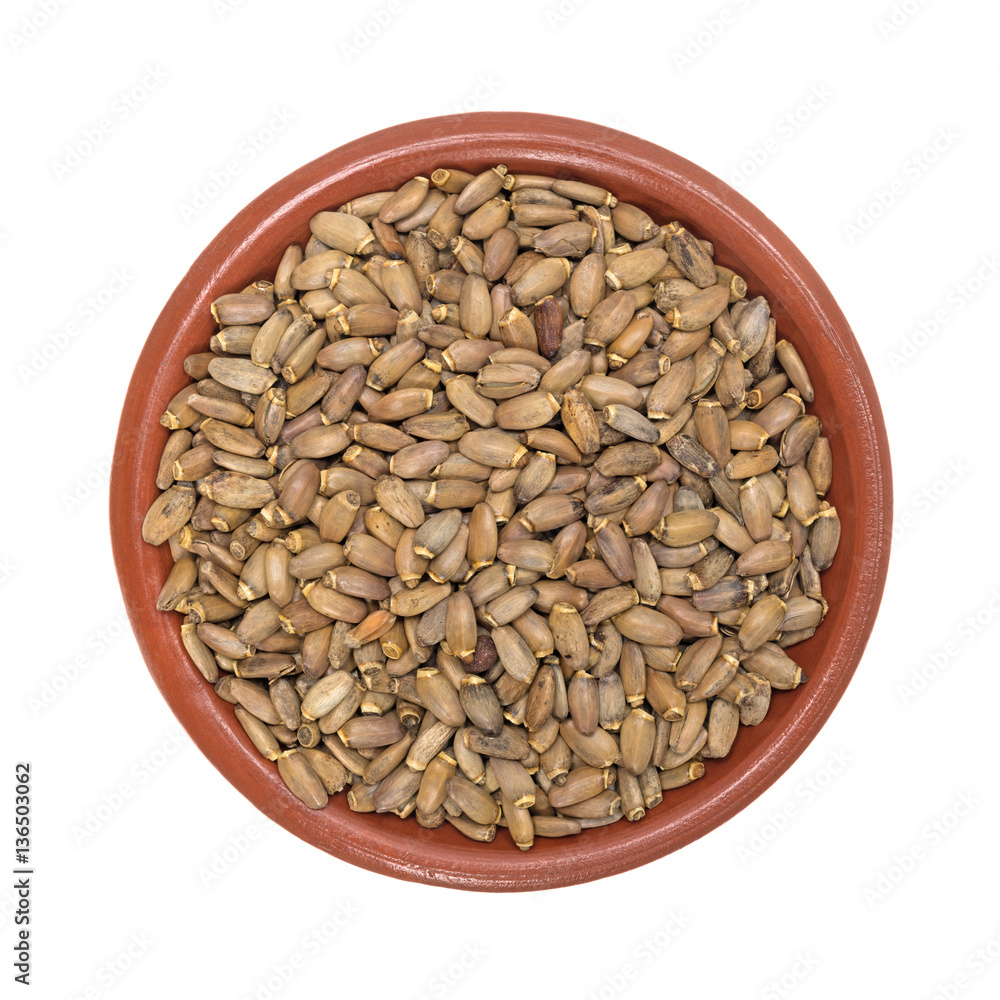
667, 187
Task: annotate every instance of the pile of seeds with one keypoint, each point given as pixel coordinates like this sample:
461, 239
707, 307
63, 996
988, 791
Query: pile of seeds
499, 506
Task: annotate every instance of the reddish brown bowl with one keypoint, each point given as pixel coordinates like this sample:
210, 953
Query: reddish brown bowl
668, 187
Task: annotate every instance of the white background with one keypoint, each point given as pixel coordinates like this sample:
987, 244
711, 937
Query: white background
882, 877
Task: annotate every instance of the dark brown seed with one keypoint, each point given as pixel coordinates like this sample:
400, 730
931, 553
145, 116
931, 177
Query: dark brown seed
548, 322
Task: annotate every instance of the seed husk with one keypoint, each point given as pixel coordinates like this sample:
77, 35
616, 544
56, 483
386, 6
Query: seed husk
637, 735
503, 381
555, 826
598, 749
631, 422
545, 277
687, 253
481, 188
261, 737
326, 694
527, 410
177, 444
762, 622
474, 831
509, 744
168, 513
434, 535
398, 500
480, 704
616, 495
803, 501
681, 774
514, 654
580, 784
632, 222
754, 708
582, 698
420, 599
364, 732
686, 527
478, 805
239, 308
772, 663
698, 310
342, 231
824, 538
692, 455
330, 771
609, 603
718, 675
609, 318
820, 464
768, 556
798, 438
179, 582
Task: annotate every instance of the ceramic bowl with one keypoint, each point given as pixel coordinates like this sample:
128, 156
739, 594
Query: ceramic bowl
668, 187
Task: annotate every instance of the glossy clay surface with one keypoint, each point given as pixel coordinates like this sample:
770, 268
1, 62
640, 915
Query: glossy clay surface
669, 188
